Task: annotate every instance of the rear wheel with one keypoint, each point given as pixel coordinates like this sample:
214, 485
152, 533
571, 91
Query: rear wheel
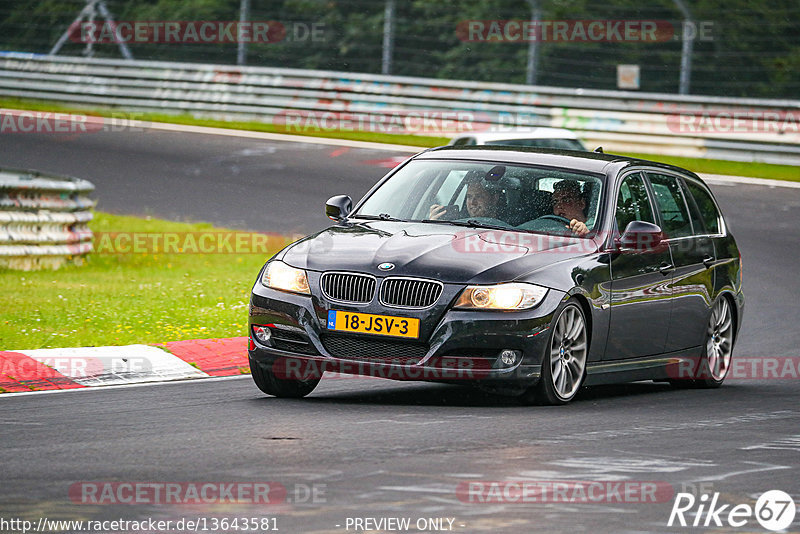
564, 362
717, 349
270, 384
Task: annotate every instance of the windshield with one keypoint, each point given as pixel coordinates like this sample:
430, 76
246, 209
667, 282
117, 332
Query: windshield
542, 200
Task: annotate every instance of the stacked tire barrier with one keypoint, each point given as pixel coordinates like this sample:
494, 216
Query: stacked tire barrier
621, 121
43, 220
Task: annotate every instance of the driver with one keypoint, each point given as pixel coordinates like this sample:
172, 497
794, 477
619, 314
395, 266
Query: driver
480, 202
568, 202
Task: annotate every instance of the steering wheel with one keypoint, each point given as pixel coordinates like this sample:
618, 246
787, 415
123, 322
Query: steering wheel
557, 218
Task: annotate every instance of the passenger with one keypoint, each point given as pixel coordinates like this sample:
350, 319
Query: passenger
568, 202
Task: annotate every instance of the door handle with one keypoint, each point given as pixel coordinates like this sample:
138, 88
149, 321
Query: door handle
666, 268
708, 261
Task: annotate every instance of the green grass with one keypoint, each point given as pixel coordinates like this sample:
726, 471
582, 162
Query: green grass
733, 168
373, 137
129, 298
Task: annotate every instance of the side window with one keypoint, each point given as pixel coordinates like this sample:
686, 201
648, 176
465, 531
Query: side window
632, 203
708, 210
669, 198
694, 213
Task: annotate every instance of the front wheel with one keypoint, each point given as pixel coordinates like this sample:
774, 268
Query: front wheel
270, 384
564, 361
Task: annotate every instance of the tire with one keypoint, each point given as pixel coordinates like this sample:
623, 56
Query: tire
715, 360
564, 360
270, 384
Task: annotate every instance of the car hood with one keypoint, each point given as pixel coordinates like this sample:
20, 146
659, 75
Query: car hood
439, 251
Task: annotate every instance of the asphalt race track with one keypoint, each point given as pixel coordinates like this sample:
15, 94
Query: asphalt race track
372, 448
234, 182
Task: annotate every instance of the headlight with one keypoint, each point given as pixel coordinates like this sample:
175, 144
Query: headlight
278, 275
511, 296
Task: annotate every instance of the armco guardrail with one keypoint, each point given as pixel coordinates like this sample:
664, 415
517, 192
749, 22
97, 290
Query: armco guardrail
714, 127
43, 220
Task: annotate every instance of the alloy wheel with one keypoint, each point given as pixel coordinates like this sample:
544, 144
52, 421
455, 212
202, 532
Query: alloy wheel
568, 349
719, 340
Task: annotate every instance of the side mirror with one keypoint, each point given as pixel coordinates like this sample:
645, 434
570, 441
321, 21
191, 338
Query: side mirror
641, 236
338, 208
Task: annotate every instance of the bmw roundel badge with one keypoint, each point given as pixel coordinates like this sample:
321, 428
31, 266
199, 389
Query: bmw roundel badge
386, 266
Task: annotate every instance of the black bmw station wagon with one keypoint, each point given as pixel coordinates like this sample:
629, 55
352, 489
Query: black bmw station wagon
526, 272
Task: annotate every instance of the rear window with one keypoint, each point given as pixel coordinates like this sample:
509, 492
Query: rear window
464, 141
563, 144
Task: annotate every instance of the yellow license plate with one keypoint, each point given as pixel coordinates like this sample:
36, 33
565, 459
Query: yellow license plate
366, 323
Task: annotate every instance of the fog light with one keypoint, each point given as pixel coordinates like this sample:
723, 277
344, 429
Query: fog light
509, 357
262, 334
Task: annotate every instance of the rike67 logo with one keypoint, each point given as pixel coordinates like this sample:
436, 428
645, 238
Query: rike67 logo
774, 510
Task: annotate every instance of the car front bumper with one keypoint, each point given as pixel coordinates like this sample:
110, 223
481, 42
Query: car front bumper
458, 346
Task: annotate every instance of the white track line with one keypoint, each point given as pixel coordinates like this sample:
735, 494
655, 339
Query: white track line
248, 134
713, 178
274, 137
124, 386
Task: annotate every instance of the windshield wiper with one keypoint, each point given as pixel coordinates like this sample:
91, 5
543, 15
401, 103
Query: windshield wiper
472, 223
380, 217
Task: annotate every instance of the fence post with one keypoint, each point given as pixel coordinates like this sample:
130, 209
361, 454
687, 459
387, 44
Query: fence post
388, 37
241, 53
533, 46
687, 35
